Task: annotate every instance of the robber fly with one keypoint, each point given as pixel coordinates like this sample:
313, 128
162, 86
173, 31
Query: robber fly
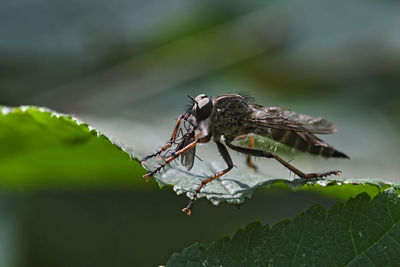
229, 117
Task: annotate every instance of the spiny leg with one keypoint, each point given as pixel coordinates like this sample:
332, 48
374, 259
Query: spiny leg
167, 145
262, 153
249, 159
225, 155
176, 154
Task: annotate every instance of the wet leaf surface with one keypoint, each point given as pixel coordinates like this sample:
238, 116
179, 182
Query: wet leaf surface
42, 148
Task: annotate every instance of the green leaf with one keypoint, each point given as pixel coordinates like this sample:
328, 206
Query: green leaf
360, 232
241, 183
42, 148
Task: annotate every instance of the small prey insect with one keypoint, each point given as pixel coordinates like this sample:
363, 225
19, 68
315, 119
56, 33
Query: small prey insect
229, 117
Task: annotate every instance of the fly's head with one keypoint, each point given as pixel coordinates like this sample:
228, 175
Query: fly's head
202, 107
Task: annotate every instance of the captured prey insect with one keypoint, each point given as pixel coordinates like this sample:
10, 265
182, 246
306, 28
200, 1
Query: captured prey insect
229, 117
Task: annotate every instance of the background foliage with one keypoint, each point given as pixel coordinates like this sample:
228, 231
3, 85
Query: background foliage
359, 232
125, 67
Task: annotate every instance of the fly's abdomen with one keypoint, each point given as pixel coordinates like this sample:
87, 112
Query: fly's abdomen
305, 142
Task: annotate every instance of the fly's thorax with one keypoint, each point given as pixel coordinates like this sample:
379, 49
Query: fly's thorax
230, 119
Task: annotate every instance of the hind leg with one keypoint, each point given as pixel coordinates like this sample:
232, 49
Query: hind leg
249, 159
262, 153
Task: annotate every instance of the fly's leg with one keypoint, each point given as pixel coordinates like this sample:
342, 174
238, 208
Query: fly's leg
225, 155
249, 159
262, 153
176, 154
167, 145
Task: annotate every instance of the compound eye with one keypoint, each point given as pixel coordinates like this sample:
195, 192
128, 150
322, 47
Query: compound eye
200, 97
204, 107
203, 102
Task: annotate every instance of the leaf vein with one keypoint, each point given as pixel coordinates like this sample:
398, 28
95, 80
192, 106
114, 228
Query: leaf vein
372, 245
298, 245
387, 208
248, 244
351, 231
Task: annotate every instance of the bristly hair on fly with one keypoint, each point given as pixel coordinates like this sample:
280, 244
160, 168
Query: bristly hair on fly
247, 96
189, 105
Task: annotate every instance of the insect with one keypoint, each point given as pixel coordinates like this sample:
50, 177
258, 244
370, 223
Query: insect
229, 117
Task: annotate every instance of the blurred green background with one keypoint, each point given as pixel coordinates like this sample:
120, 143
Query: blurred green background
126, 68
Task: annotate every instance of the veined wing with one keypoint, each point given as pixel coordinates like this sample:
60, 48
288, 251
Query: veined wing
187, 158
283, 119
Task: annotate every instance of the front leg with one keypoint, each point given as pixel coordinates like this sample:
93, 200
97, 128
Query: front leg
167, 145
176, 154
262, 153
225, 155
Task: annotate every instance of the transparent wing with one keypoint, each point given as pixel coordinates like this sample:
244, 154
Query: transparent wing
278, 118
187, 159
